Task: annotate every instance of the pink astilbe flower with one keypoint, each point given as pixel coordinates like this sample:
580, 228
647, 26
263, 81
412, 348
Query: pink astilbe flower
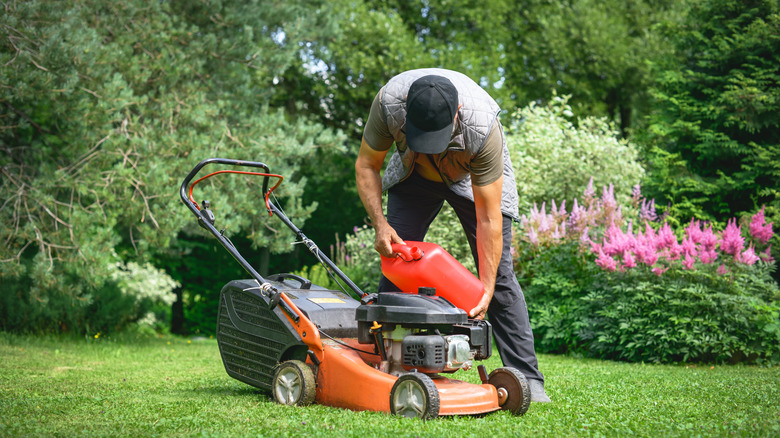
766, 256
559, 232
693, 231
666, 238
708, 256
608, 197
689, 247
708, 239
636, 195
576, 219
606, 262
645, 252
533, 237
629, 261
544, 223
616, 242
747, 257
731, 240
688, 261
609, 206
647, 211
644, 246
556, 212
589, 192
658, 271
618, 215
722, 270
585, 237
667, 242
759, 229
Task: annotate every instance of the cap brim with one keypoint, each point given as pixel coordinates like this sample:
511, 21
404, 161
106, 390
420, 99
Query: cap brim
428, 142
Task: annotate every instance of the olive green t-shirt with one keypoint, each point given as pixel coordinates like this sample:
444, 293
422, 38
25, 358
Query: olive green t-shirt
486, 167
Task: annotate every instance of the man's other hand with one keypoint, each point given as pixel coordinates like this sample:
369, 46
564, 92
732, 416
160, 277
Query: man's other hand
385, 237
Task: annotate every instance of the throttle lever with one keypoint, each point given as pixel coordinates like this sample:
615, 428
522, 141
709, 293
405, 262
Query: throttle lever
206, 214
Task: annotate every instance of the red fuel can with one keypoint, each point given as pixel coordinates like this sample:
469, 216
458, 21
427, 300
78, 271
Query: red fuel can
425, 264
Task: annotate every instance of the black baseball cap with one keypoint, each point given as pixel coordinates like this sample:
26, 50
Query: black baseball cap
431, 105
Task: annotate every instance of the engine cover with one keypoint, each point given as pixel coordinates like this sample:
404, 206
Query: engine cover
410, 310
426, 354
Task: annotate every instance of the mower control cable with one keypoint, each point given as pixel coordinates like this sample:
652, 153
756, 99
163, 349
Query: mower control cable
336, 340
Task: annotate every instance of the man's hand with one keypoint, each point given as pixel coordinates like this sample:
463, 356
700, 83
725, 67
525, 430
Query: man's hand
480, 311
384, 238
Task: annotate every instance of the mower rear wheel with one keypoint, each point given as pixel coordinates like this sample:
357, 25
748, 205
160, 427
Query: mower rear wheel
294, 383
512, 386
415, 395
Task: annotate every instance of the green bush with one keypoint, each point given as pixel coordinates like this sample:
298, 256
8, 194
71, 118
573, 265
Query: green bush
133, 293
553, 157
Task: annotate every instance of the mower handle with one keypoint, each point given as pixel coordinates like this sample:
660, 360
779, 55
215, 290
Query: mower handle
186, 183
272, 209
203, 215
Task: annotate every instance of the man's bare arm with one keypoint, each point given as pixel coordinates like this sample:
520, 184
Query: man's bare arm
487, 200
369, 184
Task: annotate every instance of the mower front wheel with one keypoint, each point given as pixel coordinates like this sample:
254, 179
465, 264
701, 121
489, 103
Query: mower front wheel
513, 392
294, 384
415, 395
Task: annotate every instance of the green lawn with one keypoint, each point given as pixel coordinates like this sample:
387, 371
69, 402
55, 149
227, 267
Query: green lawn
175, 387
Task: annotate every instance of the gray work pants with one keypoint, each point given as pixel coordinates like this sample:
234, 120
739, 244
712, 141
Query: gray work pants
411, 208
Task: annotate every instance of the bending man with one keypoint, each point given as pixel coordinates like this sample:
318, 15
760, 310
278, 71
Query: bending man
449, 147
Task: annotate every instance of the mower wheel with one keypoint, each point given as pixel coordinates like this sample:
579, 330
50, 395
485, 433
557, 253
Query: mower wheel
294, 383
415, 395
513, 392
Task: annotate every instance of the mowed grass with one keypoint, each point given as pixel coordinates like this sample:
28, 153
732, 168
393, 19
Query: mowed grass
177, 387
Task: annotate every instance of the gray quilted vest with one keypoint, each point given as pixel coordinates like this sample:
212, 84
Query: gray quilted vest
476, 116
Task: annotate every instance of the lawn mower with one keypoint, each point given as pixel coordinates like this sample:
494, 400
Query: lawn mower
388, 352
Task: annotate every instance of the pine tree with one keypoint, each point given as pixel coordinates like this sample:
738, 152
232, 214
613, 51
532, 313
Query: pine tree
718, 112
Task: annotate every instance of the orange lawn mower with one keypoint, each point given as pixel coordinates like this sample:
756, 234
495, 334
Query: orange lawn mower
387, 352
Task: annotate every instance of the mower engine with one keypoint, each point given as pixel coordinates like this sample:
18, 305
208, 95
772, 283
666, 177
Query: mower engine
423, 332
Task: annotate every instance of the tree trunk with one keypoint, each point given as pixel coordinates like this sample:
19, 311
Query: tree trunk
177, 312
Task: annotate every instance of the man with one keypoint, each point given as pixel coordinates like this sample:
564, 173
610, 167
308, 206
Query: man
449, 147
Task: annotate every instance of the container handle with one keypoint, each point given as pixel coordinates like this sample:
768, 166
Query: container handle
408, 253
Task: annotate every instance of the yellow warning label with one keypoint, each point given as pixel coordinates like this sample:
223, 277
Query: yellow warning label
326, 300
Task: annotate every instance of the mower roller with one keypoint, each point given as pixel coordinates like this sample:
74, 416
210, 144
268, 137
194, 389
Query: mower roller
386, 352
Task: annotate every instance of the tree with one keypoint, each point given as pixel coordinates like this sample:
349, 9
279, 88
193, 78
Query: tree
594, 50
106, 107
716, 124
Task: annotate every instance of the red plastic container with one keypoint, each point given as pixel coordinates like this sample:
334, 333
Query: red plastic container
425, 264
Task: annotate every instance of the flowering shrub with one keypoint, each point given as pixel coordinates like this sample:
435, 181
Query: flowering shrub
553, 158
599, 283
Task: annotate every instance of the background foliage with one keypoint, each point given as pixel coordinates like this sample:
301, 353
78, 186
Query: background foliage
105, 106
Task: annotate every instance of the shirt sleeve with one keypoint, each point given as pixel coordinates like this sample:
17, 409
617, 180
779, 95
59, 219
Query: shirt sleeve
375, 133
488, 165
